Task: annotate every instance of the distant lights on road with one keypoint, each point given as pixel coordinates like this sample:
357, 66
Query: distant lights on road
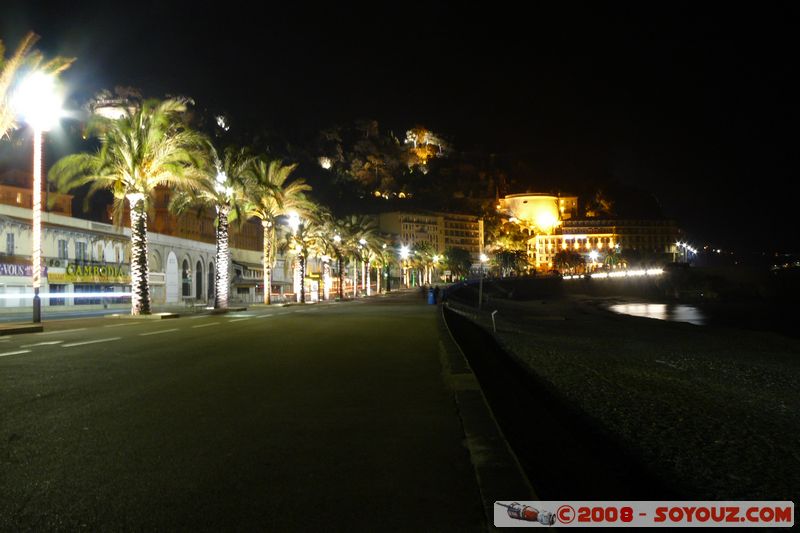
621, 274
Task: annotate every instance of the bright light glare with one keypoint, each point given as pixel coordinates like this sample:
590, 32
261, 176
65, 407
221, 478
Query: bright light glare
67, 295
593, 255
294, 221
404, 252
37, 101
484, 258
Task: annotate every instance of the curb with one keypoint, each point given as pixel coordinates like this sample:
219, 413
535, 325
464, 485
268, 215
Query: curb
16, 329
153, 316
497, 468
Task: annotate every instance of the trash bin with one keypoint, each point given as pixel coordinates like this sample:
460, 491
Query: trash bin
431, 297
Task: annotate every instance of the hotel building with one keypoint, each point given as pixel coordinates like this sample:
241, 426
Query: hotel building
545, 218
441, 230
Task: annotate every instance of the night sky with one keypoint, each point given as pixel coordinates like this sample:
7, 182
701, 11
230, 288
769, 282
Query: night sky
695, 104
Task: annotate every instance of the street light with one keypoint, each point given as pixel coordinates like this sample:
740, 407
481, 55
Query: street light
365, 274
404, 253
38, 103
295, 222
337, 240
483, 259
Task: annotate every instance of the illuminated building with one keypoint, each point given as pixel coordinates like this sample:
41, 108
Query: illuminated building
87, 257
441, 230
651, 240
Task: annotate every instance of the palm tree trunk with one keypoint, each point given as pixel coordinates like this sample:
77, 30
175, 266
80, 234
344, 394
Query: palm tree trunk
341, 275
140, 286
355, 278
326, 280
369, 277
222, 283
378, 276
267, 263
302, 260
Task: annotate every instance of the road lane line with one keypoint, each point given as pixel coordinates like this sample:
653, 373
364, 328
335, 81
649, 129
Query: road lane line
69, 345
60, 331
14, 353
118, 325
196, 317
264, 316
206, 325
45, 343
157, 332
238, 320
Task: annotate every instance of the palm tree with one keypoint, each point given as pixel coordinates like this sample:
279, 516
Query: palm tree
23, 58
305, 239
358, 230
146, 148
223, 188
424, 254
270, 195
328, 247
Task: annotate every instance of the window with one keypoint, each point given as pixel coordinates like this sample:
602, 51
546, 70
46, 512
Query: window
62, 249
87, 300
56, 289
10, 243
80, 251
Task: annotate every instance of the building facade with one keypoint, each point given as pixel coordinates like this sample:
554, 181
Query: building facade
441, 230
652, 240
93, 258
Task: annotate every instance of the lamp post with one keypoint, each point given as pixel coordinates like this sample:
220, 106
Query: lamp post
296, 223
337, 240
365, 270
593, 255
40, 106
404, 251
483, 259
388, 270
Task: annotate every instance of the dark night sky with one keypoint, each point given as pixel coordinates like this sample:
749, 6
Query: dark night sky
696, 104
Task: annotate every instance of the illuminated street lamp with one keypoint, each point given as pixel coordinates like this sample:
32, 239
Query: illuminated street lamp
404, 253
365, 274
337, 241
38, 103
483, 259
295, 222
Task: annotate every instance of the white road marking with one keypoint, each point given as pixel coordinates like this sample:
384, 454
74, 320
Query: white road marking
264, 316
206, 325
238, 319
118, 325
196, 317
14, 353
69, 345
157, 332
46, 343
60, 331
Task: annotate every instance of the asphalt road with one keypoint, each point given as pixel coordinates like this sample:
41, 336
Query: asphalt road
325, 417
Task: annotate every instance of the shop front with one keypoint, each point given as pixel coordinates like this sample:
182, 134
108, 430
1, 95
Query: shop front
89, 284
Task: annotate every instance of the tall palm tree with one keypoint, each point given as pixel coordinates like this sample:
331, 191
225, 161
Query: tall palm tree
147, 147
223, 188
271, 195
358, 230
307, 238
328, 247
24, 58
